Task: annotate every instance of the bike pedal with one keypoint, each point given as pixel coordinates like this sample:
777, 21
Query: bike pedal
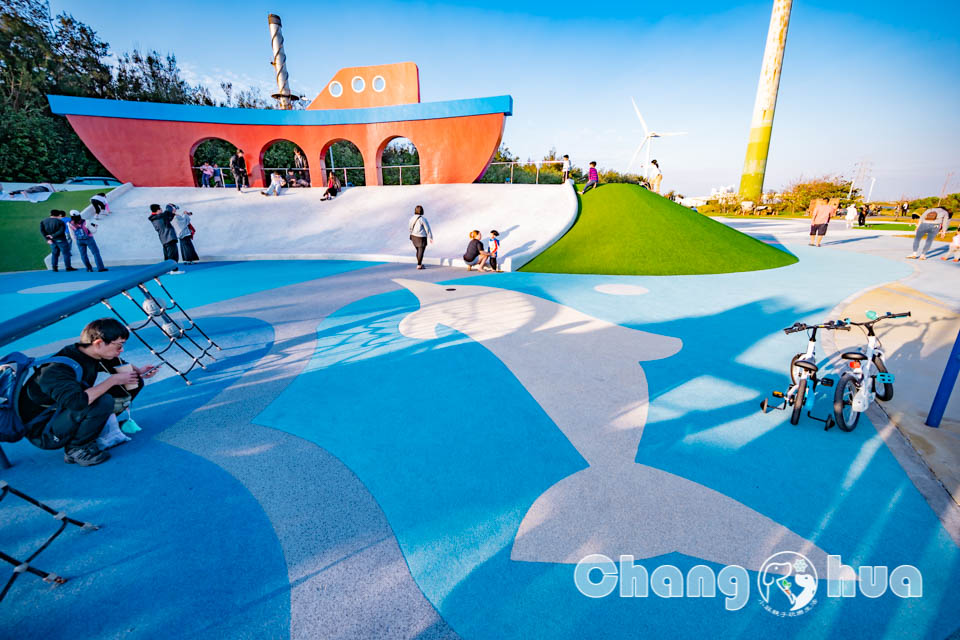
763, 405
777, 394
885, 378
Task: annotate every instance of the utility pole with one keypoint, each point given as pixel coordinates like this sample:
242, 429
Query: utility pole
755, 165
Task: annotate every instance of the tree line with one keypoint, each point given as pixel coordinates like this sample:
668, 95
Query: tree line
43, 54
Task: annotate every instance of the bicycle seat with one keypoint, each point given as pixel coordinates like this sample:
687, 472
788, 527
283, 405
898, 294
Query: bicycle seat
852, 355
806, 365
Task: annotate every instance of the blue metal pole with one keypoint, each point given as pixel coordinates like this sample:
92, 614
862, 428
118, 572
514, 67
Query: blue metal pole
947, 382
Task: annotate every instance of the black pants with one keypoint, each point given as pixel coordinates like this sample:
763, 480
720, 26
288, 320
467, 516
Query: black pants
187, 249
421, 244
97, 206
240, 177
71, 429
862, 219
492, 261
170, 251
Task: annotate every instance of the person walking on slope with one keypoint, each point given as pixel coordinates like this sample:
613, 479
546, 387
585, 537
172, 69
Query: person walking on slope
419, 233
654, 176
161, 221
593, 178
100, 205
931, 222
238, 166
85, 240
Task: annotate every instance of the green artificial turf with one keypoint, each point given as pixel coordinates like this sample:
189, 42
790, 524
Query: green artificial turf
22, 248
624, 229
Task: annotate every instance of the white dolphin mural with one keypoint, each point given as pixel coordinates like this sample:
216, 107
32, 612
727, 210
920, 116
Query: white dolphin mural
584, 373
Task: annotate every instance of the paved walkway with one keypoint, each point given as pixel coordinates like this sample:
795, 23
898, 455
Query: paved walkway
379, 456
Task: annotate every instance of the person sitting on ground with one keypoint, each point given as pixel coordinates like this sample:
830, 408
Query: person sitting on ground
276, 181
593, 178
61, 411
297, 180
85, 240
333, 187
54, 231
493, 247
475, 255
931, 222
100, 205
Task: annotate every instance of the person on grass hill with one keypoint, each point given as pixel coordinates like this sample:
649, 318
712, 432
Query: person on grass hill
654, 176
931, 222
593, 178
54, 231
62, 405
820, 220
419, 233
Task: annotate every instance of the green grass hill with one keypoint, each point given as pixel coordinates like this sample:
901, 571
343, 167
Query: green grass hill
624, 229
22, 248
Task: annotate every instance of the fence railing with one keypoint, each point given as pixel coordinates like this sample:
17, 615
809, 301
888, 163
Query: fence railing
413, 173
529, 173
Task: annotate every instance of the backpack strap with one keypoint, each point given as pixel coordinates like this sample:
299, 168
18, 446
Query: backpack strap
70, 362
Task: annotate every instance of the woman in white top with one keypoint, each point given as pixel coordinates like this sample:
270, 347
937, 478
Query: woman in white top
184, 230
419, 233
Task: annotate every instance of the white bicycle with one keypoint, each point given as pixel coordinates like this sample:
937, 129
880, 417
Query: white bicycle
804, 374
868, 378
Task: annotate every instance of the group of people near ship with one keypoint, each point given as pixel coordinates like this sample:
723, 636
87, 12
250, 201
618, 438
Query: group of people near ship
478, 254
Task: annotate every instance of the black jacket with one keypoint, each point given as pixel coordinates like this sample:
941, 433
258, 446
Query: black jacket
161, 222
56, 228
237, 164
56, 384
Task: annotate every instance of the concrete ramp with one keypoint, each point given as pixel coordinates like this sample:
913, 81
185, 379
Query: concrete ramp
362, 223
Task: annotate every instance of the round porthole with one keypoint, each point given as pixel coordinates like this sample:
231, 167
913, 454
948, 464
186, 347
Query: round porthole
358, 84
336, 89
379, 84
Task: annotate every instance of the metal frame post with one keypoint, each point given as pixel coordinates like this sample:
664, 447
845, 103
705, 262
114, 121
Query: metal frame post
947, 382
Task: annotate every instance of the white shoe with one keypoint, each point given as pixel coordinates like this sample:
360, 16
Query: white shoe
176, 272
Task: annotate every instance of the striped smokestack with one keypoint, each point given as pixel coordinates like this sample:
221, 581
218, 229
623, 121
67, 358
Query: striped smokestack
280, 63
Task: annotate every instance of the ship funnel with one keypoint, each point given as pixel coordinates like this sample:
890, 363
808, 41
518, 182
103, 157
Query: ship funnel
283, 96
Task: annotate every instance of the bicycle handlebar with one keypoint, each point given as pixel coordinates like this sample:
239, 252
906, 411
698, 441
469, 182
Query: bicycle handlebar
833, 324
886, 316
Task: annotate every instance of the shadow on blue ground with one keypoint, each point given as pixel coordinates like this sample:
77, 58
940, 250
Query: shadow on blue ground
185, 550
455, 451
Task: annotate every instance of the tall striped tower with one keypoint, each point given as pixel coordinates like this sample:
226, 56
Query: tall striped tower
751, 182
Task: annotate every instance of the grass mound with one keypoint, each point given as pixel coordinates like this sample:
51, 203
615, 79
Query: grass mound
22, 248
624, 229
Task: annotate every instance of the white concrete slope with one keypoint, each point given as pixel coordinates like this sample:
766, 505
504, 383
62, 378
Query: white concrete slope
363, 223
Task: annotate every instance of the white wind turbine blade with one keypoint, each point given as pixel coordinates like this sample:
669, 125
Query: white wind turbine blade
646, 131
675, 133
636, 153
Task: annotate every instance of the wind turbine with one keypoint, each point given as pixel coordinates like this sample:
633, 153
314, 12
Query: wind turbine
647, 137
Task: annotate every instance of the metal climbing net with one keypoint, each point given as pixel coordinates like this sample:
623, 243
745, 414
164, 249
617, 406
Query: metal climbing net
158, 314
24, 566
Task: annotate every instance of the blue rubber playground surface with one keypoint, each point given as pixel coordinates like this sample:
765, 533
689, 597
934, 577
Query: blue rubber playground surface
332, 476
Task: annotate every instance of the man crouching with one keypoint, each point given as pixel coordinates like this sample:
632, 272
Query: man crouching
70, 413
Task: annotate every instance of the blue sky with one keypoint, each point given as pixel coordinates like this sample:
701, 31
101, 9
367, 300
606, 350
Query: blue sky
863, 81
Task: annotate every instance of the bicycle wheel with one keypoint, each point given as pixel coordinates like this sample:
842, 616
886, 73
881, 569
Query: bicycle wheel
798, 401
843, 412
795, 371
884, 391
